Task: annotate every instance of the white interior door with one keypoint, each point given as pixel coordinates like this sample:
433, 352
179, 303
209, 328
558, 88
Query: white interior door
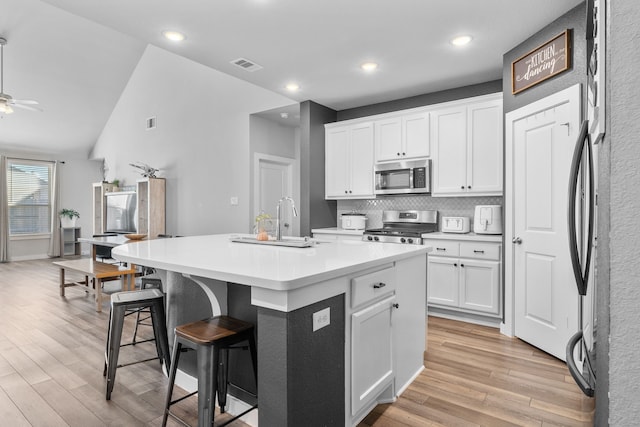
541, 139
274, 181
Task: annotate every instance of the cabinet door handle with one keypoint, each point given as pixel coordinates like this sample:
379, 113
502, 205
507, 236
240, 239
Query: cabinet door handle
469, 187
346, 192
379, 285
396, 305
462, 187
403, 154
478, 252
455, 264
441, 249
461, 265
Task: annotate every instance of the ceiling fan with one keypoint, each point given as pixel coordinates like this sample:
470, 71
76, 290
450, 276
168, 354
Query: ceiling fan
6, 101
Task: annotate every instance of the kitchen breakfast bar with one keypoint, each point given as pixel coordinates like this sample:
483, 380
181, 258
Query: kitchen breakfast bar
341, 325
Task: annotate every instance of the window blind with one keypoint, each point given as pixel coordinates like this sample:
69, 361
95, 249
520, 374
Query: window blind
29, 196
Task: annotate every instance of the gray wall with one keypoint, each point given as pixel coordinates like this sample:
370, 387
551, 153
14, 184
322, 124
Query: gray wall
623, 194
422, 100
315, 211
574, 19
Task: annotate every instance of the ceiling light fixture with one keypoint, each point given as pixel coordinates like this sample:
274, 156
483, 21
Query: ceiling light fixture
174, 36
293, 87
5, 108
461, 40
369, 66
6, 101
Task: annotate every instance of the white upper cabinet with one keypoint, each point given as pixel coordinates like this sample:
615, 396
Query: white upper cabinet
349, 161
450, 151
467, 149
402, 137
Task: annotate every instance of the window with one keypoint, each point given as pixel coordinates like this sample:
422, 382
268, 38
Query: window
29, 196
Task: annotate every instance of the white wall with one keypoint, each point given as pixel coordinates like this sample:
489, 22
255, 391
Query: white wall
201, 143
76, 176
270, 137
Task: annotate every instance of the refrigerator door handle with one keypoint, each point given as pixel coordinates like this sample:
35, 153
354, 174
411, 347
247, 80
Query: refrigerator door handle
582, 382
584, 140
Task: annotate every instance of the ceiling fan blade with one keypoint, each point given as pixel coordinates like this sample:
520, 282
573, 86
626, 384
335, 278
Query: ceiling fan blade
26, 107
24, 101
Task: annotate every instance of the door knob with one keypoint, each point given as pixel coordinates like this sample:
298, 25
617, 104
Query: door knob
517, 240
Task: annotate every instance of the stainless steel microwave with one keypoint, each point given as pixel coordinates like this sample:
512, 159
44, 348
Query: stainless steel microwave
405, 177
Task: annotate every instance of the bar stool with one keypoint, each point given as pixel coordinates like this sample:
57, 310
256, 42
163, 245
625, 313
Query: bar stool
209, 338
121, 302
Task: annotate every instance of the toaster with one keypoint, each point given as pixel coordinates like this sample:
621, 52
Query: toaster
455, 224
488, 219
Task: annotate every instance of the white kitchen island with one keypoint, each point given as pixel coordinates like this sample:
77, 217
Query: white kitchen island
341, 325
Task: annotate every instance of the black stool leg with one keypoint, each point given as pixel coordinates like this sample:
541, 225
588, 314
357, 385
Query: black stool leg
223, 378
177, 346
253, 349
159, 321
207, 383
106, 350
115, 335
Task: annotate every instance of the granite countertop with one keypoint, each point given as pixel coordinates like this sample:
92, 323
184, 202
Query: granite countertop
271, 267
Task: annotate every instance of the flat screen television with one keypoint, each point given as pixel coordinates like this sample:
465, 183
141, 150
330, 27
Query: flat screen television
121, 212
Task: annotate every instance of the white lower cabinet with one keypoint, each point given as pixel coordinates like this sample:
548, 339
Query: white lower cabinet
386, 334
468, 280
371, 352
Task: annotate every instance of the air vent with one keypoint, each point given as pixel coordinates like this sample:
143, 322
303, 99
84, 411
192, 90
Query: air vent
246, 65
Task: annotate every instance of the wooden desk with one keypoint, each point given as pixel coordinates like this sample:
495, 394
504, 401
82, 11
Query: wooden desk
97, 271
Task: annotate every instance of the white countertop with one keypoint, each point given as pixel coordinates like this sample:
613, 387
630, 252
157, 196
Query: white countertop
336, 230
270, 267
463, 236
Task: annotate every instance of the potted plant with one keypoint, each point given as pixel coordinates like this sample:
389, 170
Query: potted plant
68, 217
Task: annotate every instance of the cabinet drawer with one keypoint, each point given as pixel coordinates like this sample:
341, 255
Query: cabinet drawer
480, 251
372, 286
444, 248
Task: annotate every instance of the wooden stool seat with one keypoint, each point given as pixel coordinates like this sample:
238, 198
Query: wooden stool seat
211, 338
214, 330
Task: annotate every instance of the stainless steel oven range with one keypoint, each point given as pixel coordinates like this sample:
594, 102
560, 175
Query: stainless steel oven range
403, 227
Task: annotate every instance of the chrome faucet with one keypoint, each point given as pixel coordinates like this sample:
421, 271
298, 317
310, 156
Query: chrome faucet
295, 213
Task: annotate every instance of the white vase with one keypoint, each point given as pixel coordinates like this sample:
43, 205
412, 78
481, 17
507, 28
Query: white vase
66, 222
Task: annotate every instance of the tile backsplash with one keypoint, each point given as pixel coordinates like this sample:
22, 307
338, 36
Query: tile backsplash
446, 206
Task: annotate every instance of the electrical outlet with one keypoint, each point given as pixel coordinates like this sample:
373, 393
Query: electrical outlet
234, 201
321, 318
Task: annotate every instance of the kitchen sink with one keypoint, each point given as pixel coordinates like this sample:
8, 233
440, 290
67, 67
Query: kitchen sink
291, 242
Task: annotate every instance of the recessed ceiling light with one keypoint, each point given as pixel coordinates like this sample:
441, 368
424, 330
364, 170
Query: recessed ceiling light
369, 66
173, 36
461, 40
293, 87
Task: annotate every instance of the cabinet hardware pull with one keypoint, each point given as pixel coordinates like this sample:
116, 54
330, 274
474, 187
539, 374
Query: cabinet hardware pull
441, 249
403, 154
461, 265
455, 264
396, 305
346, 192
469, 187
478, 252
462, 187
398, 154
379, 285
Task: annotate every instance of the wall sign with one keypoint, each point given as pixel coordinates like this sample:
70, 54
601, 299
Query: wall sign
546, 61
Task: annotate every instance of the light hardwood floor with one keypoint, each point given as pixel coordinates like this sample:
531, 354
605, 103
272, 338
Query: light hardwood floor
52, 350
